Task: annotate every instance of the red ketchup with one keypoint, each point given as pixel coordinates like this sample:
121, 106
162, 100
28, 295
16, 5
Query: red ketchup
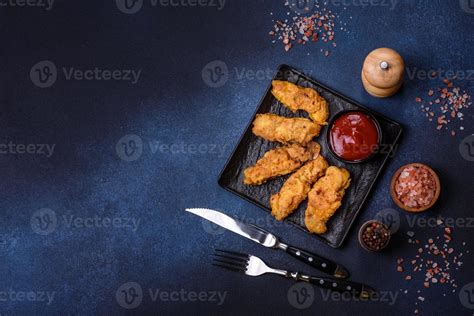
354, 136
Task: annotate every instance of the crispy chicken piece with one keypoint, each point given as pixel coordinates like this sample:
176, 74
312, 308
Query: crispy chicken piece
296, 188
325, 198
285, 130
280, 161
299, 98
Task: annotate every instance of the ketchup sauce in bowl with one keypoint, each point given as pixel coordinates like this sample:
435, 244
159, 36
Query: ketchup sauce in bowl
354, 136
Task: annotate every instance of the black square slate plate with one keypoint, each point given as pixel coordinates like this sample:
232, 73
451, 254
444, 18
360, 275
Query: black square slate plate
250, 148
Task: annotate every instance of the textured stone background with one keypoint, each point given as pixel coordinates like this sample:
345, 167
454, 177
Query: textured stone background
192, 129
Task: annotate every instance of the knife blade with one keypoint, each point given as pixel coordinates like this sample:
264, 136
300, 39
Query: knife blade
269, 240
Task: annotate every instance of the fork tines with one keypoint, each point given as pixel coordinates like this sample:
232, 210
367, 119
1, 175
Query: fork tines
231, 260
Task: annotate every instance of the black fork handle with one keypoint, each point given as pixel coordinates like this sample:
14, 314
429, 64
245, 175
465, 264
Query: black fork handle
355, 289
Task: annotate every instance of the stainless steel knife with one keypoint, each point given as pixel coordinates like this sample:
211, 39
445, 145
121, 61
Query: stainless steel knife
269, 240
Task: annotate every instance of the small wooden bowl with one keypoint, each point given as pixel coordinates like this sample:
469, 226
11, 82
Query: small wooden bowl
361, 232
411, 209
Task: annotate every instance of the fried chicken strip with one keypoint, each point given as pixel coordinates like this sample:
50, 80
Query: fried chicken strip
325, 198
280, 161
299, 98
285, 130
296, 188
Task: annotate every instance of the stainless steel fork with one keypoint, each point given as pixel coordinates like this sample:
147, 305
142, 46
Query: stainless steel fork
254, 266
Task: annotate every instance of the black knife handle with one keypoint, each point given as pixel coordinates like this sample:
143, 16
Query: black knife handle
318, 262
356, 289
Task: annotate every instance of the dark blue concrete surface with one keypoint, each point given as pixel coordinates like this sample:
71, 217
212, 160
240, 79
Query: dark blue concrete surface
192, 127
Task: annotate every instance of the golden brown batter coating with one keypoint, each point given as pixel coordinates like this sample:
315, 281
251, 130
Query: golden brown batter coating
285, 130
296, 188
280, 161
325, 198
299, 98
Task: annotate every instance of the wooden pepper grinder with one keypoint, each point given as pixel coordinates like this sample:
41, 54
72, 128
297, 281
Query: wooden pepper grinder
383, 71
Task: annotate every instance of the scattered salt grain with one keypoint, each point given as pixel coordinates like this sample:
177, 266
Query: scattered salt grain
434, 263
319, 25
451, 101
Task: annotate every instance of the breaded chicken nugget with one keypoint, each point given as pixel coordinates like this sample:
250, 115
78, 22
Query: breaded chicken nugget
285, 130
280, 161
296, 188
325, 198
299, 98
